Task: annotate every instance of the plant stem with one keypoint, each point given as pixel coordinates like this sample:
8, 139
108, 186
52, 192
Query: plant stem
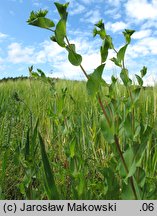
109, 123
86, 75
104, 111
125, 165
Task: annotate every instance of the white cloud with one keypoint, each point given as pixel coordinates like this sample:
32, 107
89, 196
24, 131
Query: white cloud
114, 13
141, 9
91, 1
2, 36
144, 47
76, 9
92, 16
115, 27
115, 2
142, 34
19, 54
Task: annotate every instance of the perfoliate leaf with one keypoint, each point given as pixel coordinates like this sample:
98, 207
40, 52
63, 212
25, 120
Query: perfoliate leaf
136, 94
127, 34
104, 51
114, 80
124, 77
38, 19
60, 32
116, 62
100, 24
35, 15
121, 54
74, 58
62, 9
129, 158
95, 80
34, 74
42, 22
107, 131
143, 71
101, 32
42, 74
139, 79
95, 32
53, 38
109, 39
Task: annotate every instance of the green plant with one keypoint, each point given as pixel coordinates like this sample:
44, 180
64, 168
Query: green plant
126, 134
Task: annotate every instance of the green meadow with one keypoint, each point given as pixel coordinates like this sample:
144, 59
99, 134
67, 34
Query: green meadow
54, 145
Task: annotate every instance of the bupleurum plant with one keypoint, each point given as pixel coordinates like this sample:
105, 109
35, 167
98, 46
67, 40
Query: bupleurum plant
126, 134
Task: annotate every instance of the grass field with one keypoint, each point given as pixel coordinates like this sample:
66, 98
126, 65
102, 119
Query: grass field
77, 161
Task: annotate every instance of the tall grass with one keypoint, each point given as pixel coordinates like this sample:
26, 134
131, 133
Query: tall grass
65, 124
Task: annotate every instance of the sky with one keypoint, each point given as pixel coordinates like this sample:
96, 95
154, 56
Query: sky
22, 45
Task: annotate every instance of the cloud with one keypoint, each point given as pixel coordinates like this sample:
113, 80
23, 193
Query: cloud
2, 36
19, 54
113, 13
141, 9
115, 27
92, 16
91, 1
142, 34
114, 3
76, 8
144, 47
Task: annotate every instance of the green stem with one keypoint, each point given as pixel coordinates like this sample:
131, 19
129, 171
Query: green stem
125, 165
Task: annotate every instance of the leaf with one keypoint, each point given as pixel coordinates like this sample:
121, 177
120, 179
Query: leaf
53, 38
42, 74
60, 32
128, 126
127, 193
114, 80
127, 34
95, 80
62, 9
101, 32
107, 131
140, 176
35, 15
121, 53
95, 32
136, 94
50, 182
74, 58
104, 51
128, 157
27, 146
143, 71
116, 61
139, 79
124, 77
100, 24
42, 22
109, 39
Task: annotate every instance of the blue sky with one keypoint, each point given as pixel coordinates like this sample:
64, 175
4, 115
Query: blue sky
22, 45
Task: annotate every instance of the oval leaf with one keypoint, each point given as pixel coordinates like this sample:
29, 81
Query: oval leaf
42, 22
74, 58
60, 32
